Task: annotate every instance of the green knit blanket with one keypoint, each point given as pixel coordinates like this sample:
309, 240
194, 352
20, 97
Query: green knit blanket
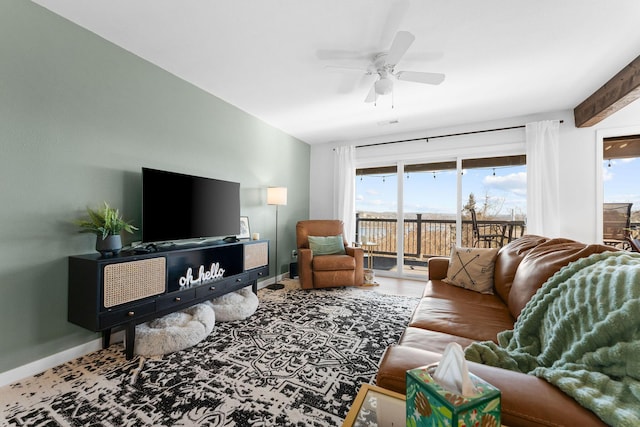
581, 332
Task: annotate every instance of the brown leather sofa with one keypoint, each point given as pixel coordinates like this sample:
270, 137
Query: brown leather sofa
448, 313
327, 271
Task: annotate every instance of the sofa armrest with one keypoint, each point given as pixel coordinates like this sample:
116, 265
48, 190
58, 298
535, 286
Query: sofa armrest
354, 252
305, 272
358, 254
438, 267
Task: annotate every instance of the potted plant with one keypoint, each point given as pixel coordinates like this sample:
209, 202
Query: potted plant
107, 224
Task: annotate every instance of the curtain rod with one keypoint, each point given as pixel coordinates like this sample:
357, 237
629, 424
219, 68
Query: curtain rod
427, 138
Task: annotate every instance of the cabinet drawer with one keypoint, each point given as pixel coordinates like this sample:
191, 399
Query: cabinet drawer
259, 273
175, 299
240, 281
215, 289
112, 318
211, 290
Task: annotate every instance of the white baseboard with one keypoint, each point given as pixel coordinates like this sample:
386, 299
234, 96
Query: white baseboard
43, 364
48, 362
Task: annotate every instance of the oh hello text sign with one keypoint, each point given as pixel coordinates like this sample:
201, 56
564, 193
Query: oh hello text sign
214, 272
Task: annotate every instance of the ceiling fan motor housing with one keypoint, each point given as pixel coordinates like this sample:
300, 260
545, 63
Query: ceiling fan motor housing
383, 86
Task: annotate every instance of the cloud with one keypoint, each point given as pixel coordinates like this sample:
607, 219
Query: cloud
607, 175
513, 183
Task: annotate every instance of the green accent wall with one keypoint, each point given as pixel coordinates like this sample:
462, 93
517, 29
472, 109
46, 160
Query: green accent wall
79, 117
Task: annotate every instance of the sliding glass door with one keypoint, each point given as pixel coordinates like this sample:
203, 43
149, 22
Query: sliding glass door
429, 212
377, 216
408, 213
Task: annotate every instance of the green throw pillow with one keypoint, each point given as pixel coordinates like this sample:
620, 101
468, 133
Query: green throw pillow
327, 245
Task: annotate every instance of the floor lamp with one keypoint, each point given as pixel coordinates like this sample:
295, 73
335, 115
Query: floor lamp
276, 196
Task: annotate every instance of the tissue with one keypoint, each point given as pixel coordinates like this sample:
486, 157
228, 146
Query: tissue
452, 372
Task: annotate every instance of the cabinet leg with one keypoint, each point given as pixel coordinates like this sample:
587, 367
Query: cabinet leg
106, 338
254, 287
130, 339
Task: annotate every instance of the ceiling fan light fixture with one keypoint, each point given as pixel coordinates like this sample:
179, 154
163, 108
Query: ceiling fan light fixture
384, 86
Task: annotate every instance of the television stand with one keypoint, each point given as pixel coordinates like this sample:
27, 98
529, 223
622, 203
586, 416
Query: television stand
125, 290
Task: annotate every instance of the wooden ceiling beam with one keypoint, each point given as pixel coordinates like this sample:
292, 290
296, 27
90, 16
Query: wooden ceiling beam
621, 90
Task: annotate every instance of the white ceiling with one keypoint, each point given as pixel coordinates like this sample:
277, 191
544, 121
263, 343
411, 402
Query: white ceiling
502, 58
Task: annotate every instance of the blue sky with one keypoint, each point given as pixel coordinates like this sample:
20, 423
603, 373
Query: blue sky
621, 181
426, 194
506, 190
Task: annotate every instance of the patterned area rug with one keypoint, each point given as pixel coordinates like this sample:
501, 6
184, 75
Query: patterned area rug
298, 361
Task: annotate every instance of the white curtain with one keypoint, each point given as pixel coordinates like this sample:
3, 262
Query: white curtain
543, 178
345, 190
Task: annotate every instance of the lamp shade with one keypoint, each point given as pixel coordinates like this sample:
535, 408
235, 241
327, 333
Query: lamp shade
277, 195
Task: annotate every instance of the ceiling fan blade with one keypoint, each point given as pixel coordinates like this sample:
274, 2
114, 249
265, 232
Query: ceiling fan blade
397, 12
421, 77
399, 47
371, 96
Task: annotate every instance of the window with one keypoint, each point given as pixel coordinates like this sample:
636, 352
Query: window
621, 162
496, 188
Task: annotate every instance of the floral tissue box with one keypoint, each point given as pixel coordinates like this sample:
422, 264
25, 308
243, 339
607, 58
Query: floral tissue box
429, 404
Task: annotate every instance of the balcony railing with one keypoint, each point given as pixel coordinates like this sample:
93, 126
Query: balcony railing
425, 238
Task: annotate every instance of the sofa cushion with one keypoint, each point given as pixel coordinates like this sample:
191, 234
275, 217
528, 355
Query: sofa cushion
333, 262
472, 268
327, 245
508, 260
541, 263
441, 289
462, 318
330, 279
430, 340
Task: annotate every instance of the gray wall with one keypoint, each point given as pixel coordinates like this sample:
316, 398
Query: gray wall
79, 117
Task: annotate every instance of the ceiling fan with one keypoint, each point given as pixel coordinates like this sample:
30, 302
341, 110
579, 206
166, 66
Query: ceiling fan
384, 66
384, 63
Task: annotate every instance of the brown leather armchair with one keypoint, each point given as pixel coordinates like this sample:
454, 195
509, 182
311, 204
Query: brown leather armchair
325, 271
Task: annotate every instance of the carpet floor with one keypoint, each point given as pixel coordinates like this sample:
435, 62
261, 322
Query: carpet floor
298, 361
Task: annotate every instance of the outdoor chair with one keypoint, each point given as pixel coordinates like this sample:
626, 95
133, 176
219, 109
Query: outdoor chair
497, 233
634, 244
616, 220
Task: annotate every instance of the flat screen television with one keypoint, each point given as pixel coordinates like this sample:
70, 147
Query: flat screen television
177, 206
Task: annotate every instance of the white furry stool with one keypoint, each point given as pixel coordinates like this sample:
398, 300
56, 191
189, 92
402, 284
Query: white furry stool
236, 305
175, 331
